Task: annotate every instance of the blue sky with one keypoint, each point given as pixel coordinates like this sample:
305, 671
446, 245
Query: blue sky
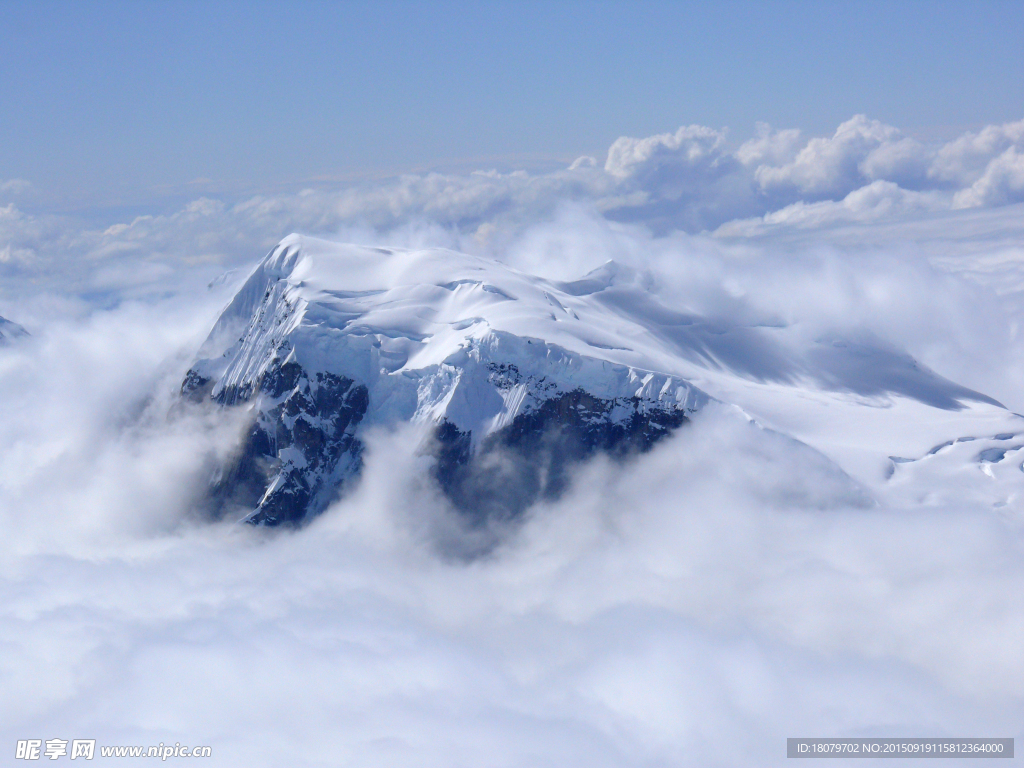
117, 103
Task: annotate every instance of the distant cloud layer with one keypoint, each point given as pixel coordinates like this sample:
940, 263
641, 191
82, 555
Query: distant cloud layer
691, 180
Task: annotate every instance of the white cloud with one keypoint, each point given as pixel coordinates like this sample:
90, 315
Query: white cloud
1001, 183
872, 202
964, 160
692, 150
861, 150
770, 147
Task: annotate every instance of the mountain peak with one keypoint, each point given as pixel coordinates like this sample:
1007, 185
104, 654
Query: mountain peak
325, 339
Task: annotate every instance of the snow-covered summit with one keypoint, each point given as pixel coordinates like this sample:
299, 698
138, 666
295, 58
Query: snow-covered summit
376, 315
326, 339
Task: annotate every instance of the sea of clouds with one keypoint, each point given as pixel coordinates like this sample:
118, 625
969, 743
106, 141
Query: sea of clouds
695, 607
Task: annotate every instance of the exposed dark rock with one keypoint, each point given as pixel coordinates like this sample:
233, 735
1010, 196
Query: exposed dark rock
532, 457
301, 445
196, 388
287, 467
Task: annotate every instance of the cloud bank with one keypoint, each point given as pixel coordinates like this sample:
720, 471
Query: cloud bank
733, 588
691, 609
692, 180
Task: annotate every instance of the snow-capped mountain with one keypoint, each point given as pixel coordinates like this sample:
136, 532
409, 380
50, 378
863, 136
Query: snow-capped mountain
325, 340
519, 377
10, 331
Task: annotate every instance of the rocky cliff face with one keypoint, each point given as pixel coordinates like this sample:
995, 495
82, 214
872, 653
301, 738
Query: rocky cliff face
300, 447
517, 377
530, 458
